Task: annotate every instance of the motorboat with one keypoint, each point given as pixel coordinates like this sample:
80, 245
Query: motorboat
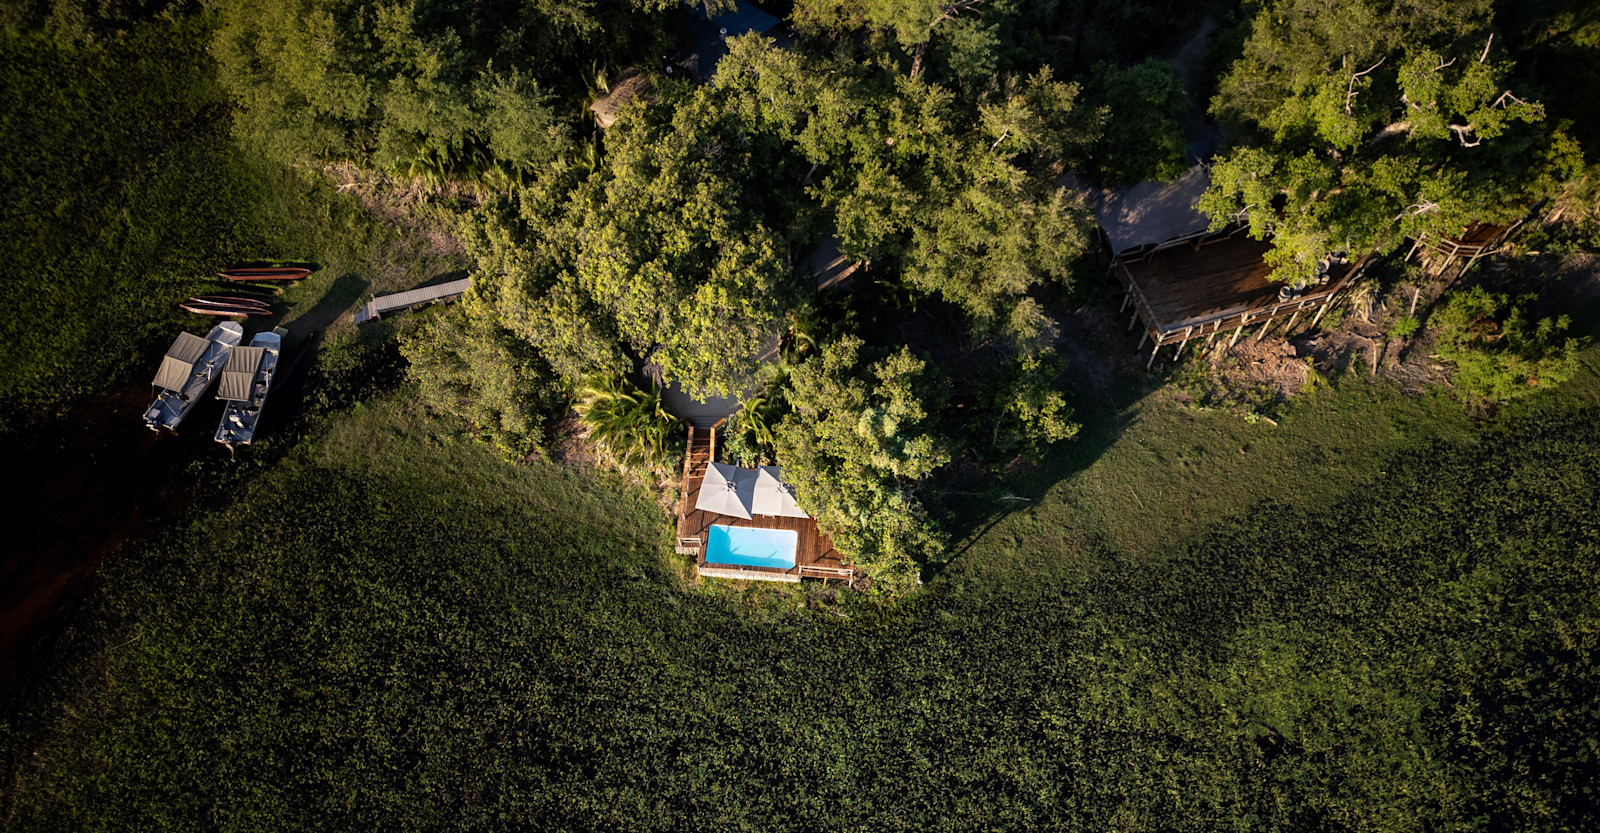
246, 381
187, 370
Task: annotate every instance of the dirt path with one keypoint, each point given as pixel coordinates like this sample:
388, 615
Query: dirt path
1201, 136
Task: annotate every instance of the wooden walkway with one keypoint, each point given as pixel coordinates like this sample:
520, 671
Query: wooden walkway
1476, 241
814, 556
376, 307
1214, 285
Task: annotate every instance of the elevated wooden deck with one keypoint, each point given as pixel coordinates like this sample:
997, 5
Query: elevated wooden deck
376, 307
1216, 283
814, 556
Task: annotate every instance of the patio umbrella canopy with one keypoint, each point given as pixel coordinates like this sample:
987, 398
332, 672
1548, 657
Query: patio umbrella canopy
727, 490
773, 496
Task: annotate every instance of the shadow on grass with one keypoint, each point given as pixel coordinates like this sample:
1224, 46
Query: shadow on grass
342, 296
1101, 428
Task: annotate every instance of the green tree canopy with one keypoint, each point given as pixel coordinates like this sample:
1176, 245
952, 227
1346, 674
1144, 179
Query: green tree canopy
667, 254
468, 366
436, 89
859, 439
1376, 122
960, 192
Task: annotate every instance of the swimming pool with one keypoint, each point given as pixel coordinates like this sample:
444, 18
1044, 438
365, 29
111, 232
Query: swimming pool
751, 546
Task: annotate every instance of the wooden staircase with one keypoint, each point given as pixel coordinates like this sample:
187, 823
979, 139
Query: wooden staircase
698, 454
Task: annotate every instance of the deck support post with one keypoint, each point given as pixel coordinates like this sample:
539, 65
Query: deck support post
1126, 297
1179, 352
1265, 325
1142, 339
1320, 310
1154, 349
1290, 328
1243, 320
1133, 319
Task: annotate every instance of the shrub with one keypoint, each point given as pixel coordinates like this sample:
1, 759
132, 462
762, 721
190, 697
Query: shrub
627, 424
1404, 326
1498, 352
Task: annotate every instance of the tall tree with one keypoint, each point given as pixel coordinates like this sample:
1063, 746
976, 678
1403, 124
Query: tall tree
1375, 122
859, 439
438, 89
960, 192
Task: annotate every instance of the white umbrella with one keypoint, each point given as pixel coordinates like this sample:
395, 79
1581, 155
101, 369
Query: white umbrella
773, 496
727, 490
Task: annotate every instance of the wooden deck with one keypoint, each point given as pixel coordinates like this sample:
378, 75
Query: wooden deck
1477, 240
1218, 283
376, 307
814, 557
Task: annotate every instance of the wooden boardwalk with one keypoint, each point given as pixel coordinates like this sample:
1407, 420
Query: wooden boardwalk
376, 307
1214, 285
814, 556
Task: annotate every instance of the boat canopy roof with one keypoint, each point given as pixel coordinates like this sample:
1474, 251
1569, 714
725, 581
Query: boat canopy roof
239, 373
179, 361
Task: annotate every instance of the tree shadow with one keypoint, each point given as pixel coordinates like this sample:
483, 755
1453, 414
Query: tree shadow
341, 297
1104, 382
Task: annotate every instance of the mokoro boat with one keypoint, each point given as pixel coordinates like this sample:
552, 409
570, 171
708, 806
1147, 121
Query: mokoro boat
272, 273
225, 312
187, 370
246, 381
228, 301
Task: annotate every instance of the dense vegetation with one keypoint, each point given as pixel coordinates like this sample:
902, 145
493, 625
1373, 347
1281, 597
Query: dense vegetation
1369, 123
441, 90
431, 639
119, 191
1377, 614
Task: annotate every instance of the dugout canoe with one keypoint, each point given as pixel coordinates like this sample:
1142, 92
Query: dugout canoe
225, 312
227, 301
265, 273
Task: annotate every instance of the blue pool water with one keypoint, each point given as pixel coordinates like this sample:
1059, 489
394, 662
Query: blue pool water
751, 547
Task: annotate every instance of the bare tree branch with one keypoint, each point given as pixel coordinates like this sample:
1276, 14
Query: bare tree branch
1501, 101
1462, 131
1485, 55
1350, 93
947, 13
1390, 131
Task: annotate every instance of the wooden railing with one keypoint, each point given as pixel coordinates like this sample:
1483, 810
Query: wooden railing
811, 571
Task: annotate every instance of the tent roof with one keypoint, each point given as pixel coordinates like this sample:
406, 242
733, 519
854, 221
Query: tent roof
773, 496
239, 374
1154, 212
179, 361
188, 348
744, 18
727, 490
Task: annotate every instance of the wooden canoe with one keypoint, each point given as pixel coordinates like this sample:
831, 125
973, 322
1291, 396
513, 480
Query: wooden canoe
225, 312
227, 301
265, 273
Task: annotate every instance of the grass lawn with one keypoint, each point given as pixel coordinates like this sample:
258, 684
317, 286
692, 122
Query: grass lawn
123, 193
394, 628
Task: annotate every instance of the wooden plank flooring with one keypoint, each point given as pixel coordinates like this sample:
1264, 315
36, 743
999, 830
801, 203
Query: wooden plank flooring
1182, 287
813, 550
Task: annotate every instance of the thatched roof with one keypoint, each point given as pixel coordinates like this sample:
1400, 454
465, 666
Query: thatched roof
629, 87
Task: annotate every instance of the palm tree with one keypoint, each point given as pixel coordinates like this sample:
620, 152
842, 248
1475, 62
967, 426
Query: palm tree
628, 424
